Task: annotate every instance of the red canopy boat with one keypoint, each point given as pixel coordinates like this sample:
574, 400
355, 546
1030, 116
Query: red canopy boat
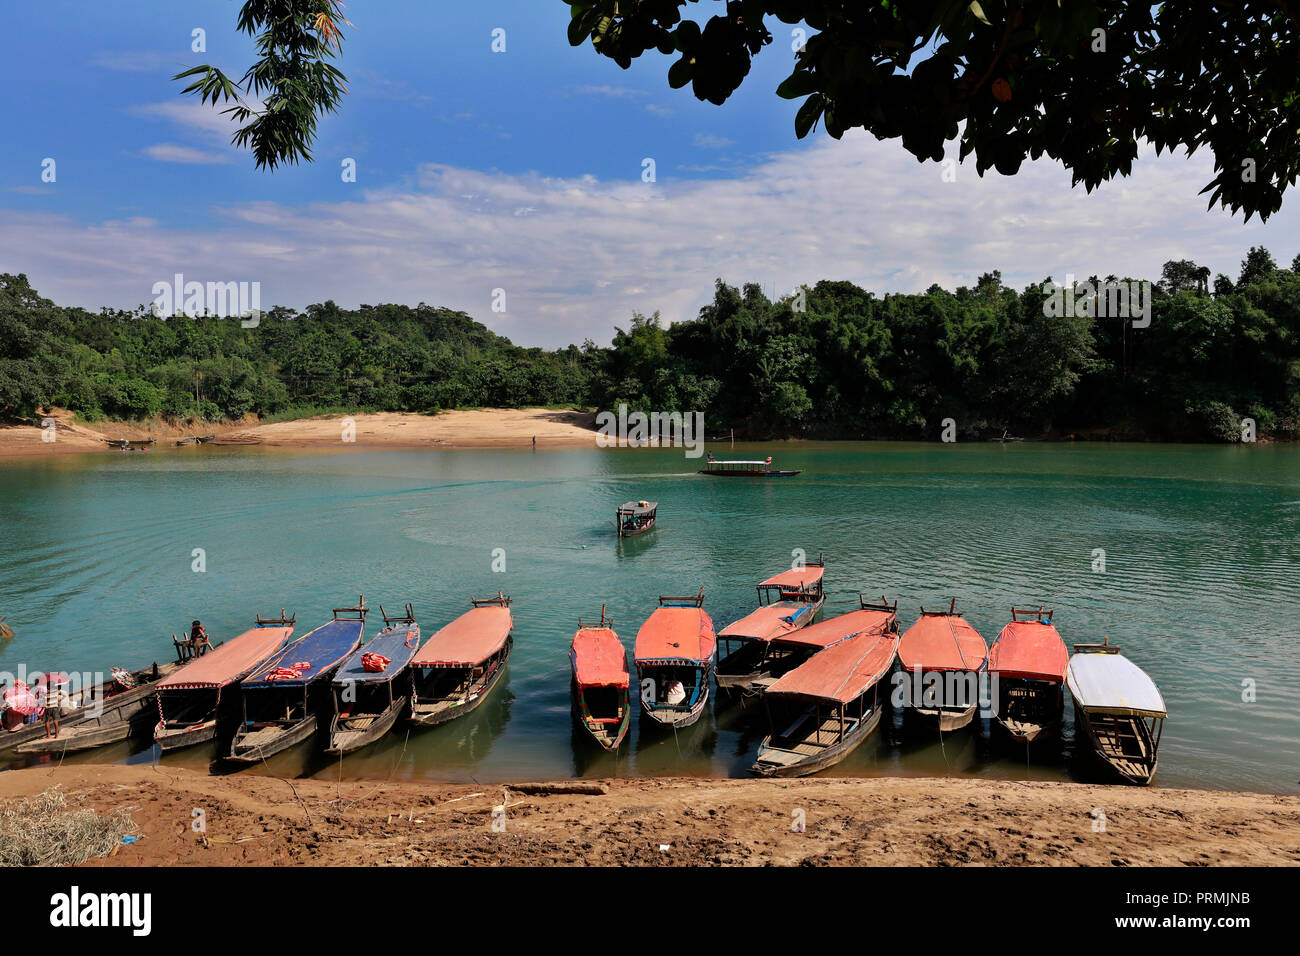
674, 658
601, 702
459, 665
945, 657
834, 699
1027, 665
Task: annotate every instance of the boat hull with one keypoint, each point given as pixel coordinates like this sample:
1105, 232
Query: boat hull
182, 737
124, 716
349, 741
828, 758
1138, 769
633, 532
738, 473
443, 715
676, 716
945, 718
256, 745
598, 732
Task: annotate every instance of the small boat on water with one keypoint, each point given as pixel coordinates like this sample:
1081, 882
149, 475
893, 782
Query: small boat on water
674, 658
750, 647
1119, 708
635, 517
457, 667
944, 657
1027, 666
602, 705
743, 469
126, 444
108, 712
279, 709
827, 706
366, 702
189, 700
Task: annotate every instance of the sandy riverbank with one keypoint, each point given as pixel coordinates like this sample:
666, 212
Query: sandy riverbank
258, 820
477, 428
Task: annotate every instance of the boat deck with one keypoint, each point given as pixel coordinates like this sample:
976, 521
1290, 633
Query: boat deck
260, 737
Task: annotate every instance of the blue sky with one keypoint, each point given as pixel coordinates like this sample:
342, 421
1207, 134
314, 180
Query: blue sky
518, 170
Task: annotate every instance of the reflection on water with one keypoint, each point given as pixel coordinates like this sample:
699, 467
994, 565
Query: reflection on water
1200, 586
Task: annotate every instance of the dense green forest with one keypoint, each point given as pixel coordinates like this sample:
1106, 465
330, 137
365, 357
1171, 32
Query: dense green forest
834, 362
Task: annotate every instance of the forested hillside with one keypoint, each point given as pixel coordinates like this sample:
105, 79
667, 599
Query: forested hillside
842, 363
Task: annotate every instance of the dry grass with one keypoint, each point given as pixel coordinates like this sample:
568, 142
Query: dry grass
41, 831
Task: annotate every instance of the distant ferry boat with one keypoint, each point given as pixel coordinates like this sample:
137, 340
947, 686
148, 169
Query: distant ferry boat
743, 469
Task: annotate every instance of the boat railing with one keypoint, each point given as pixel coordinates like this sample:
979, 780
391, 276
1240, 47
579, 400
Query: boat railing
884, 604
1029, 614
281, 621
604, 622
692, 601
501, 600
408, 617
952, 610
358, 610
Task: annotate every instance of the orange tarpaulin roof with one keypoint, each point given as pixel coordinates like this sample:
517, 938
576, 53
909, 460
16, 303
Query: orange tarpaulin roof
942, 642
842, 671
598, 658
835, 629
676, 633
469, 640
796, 578
763, 624
230, 661
1029, 649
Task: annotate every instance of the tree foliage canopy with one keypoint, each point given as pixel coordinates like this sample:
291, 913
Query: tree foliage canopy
1082, 82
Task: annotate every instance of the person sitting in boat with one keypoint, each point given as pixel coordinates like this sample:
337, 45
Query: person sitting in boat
674, 693
199, 642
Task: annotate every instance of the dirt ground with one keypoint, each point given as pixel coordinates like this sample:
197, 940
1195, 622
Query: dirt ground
260, 820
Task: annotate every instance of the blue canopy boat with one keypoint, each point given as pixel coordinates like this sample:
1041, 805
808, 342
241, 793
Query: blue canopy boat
278, 706
365, 707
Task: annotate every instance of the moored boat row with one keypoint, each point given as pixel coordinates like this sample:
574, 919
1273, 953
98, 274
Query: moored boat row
820, 682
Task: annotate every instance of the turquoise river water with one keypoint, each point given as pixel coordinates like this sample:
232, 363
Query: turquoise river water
1201, 585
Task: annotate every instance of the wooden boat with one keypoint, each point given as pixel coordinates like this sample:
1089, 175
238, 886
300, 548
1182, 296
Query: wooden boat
944, 657
104, 713
635, 517
278, 706
1026, 672
368, 702
1119, 708
750, 647
128, 443
790, 651
457, 668
828, 706
602, 705
743, 469
674, 659
190, 699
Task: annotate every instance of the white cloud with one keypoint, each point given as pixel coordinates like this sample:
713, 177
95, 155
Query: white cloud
588, 252
171, 153
137, 61
710, 141
604, 89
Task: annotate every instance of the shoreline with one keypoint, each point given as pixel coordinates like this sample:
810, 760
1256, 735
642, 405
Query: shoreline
475, 428
253, 820
455, 429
